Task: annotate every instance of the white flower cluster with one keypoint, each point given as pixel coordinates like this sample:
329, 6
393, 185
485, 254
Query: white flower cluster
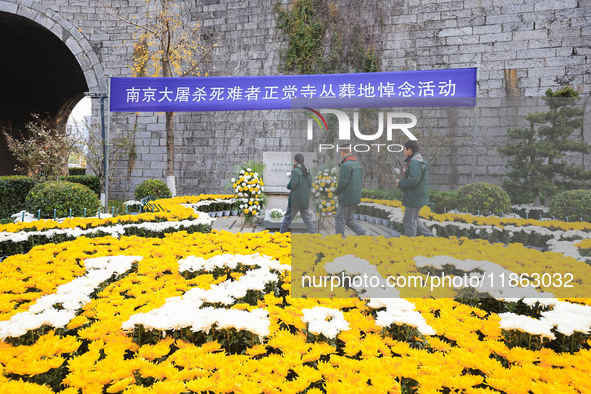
195, 264
355, 266
23, 216
529, 207
71, 296
568, 249
187, 311
326, 321
205, 203
489, 277
276, 214
115, 230
568, 318
131, 203
400, 312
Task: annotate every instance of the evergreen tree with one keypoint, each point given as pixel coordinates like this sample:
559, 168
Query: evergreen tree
537, 155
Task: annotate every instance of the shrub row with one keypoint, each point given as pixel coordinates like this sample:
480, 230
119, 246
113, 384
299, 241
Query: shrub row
485, 199
572, 205
21, 192
152, 188
474, 198
378, 194
61, 199
13, 191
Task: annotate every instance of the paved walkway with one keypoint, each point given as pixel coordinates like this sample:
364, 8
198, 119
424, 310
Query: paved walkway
235, 224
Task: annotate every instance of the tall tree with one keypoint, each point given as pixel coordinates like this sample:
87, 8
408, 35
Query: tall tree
169, 44
537, 155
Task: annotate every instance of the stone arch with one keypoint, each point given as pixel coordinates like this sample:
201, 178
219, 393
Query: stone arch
55, 66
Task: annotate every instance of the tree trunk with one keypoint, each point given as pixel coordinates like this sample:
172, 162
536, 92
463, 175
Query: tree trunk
170, 180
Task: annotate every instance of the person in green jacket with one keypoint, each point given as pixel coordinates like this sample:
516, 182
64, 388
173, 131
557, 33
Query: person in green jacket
300, 183
415, 190
349, 193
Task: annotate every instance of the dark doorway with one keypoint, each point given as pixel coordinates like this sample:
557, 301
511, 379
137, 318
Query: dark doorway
39, 75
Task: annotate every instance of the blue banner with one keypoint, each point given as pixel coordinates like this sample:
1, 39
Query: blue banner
434, 88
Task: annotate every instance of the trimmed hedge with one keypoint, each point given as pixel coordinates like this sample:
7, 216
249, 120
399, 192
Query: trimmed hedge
379, 194
77, 171
571, 205
13, 191
15, 188
441, 202
90, 181
63, 197
483, 198
152, 187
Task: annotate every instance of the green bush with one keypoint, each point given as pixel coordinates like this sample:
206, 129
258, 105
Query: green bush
90, 181
62, 196
571, 205
77, 171
13, 190
378, 194
152, 187
483, 198
441, 202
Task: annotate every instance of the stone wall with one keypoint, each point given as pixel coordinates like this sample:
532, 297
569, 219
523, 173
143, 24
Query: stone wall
520, 47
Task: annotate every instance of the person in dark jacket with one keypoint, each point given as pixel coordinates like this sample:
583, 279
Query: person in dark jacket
349, 193
415, 190
299, 185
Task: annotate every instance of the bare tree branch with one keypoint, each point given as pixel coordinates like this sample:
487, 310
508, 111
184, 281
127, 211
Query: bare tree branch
199, 62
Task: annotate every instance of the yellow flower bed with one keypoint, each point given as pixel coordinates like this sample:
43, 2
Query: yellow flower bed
395, 257
172, 211
488, 220
93, 353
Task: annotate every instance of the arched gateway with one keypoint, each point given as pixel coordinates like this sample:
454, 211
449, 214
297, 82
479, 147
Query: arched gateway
47, 65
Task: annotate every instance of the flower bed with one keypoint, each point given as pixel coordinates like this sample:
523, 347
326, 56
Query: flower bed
214, 312
584, 247
178, 213
494, 229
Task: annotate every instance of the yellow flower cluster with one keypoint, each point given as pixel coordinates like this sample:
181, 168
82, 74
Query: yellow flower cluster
324, 186
584, 244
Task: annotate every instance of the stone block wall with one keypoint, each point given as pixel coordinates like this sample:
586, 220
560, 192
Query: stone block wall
520, 47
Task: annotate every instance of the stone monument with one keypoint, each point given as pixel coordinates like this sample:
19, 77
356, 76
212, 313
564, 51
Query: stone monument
275, 175
278, 166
